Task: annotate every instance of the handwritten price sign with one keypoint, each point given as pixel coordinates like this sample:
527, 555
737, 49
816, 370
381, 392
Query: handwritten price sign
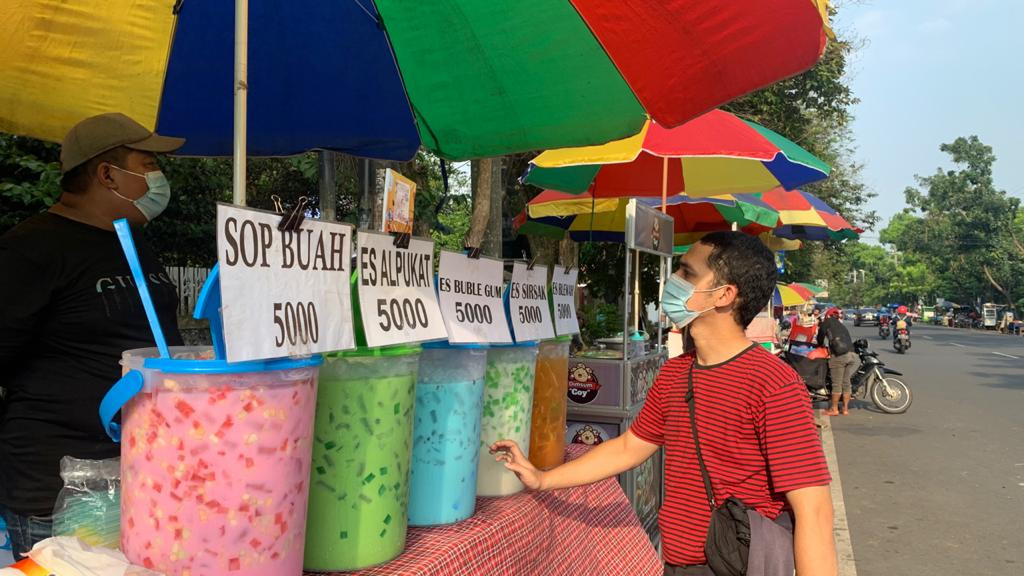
469, 290
396, 291
528, 303
563, 299
284, 293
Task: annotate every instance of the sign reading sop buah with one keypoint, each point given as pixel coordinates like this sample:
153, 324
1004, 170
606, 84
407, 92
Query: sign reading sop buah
284, 293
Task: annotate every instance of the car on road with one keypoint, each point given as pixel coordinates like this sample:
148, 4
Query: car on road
866, 317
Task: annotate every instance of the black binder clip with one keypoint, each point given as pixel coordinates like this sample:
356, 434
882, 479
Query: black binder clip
402, 240
568, 269
472, 252
532, 263
290, 221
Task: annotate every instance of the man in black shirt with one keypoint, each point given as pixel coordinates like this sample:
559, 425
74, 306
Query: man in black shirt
69, 308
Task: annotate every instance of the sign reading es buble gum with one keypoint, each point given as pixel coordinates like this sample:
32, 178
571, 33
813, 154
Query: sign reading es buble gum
469, 291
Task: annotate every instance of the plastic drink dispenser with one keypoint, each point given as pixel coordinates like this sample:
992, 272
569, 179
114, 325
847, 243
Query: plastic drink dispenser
507, 410
550, 403
446, 436
215, 461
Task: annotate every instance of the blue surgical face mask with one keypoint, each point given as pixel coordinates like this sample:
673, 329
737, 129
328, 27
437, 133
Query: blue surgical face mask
156, 198
676, 297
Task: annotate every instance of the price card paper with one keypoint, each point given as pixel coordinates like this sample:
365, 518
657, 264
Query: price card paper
396, 291
563, 300
528, 303
469, 290
284, 293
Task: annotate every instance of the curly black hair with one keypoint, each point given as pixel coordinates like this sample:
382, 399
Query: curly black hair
745, 262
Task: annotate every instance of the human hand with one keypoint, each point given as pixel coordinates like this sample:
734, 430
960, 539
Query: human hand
508, 452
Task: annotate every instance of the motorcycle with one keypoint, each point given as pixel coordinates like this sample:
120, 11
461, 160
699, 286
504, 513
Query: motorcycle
901, 338
873, 378
883, 328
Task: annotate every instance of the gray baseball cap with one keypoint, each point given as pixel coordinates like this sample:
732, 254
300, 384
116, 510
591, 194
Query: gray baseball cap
98, 134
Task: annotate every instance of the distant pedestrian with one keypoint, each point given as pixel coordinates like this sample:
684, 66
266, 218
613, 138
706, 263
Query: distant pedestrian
842, 362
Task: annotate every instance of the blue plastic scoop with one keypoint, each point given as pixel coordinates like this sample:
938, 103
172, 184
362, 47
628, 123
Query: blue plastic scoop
124, 235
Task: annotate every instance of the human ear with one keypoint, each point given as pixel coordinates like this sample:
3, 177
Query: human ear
726, 296
104, 174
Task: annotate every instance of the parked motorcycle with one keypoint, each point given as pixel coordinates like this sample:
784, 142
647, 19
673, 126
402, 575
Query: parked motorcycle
901, 338
873, 378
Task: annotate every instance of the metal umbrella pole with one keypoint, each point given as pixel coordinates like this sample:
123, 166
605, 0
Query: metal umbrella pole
241, 96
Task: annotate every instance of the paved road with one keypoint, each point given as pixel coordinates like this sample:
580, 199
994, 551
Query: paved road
940, 489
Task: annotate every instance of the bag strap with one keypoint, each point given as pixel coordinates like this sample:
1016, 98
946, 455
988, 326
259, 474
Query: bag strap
692, 404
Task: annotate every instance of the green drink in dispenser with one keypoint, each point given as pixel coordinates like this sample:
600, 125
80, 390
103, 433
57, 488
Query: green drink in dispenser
507, 411
362, 453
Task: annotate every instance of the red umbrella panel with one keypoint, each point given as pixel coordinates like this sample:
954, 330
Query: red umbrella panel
804, 216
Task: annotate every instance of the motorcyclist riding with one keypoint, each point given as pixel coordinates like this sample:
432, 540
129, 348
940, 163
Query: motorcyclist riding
901, 316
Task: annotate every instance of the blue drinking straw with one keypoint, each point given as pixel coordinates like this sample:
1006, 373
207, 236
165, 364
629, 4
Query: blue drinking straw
124, 234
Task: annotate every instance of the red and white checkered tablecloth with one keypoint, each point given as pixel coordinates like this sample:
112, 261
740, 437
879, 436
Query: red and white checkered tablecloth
586, 530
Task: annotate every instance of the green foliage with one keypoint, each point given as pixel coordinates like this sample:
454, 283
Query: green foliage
600, 321
29, 178
453, 223
957, 238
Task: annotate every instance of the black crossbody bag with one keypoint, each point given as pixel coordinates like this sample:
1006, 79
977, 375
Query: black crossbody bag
727, 547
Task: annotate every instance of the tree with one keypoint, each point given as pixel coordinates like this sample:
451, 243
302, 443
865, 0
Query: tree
29, 178
967, 223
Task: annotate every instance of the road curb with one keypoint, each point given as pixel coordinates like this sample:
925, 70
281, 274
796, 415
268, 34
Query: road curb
841, 529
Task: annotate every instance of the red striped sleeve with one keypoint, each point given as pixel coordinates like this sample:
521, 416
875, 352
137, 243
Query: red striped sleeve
790, 440
649, 425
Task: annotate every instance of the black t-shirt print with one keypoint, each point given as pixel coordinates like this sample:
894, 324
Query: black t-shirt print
68, 309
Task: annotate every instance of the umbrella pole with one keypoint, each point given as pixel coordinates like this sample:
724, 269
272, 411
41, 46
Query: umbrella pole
636, 295
664, 185
241, 94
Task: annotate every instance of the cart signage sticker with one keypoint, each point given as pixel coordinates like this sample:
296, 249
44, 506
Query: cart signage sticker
469, 291
583, 384
563, 299
590, 433
528, 303
284, 293
396, 291
648, 229
399, 202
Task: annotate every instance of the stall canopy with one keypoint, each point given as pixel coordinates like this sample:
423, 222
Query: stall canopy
588, 219
804, 216
787, 296
716, 153
464, 78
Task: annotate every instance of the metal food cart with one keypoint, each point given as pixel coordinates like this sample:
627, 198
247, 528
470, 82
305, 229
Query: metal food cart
607, 388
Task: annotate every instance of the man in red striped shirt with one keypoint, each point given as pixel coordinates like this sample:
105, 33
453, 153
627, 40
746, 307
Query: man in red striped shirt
753, 415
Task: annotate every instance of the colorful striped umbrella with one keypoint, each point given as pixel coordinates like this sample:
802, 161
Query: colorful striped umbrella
787, 296
804, 216
716, 153
378, 78
585, 218
813, 288
803, 292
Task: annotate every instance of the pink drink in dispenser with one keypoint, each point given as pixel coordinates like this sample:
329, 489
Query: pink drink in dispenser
215, 462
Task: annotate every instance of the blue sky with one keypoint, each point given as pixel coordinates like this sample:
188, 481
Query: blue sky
932, 70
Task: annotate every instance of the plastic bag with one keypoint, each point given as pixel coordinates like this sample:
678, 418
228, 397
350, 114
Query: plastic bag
89, 505
5, 546
65, 556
